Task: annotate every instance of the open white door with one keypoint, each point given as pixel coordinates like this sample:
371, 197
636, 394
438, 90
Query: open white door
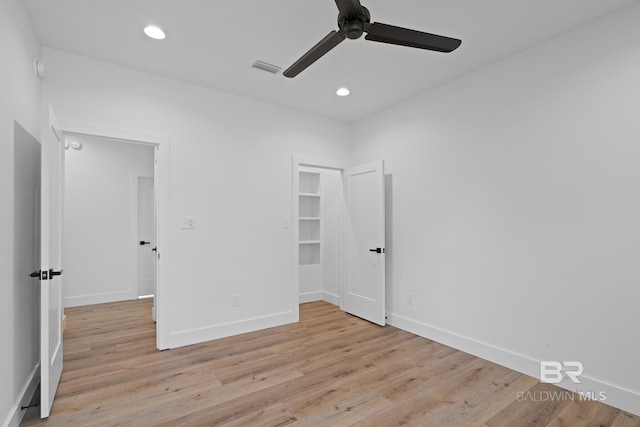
51, 308
364, 286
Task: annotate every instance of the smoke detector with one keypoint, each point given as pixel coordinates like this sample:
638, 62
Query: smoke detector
39, 69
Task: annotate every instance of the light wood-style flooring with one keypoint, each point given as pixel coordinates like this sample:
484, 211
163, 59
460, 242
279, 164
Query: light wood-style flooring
330, 369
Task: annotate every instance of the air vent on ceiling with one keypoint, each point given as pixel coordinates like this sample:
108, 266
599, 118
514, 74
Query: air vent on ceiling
265, 66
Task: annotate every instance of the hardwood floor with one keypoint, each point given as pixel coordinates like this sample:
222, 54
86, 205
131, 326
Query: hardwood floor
329, 369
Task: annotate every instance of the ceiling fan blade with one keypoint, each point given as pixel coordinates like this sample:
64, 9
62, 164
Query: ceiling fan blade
385, 33
333, 39
349, 7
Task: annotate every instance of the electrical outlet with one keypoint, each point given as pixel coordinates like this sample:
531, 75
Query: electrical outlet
187, 222
411, 298
235, 300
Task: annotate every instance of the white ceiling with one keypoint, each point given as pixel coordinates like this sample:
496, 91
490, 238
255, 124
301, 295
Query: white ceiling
213, 43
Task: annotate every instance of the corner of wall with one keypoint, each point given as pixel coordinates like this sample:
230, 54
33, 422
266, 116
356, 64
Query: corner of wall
618, 397
26, 395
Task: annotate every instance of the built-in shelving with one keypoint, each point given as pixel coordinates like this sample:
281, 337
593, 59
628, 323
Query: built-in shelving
309, 218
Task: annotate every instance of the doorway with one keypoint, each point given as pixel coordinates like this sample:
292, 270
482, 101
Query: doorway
320, 230
101, 224
159, 145
339, 235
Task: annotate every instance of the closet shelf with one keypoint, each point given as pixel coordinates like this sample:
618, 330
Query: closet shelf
309, 213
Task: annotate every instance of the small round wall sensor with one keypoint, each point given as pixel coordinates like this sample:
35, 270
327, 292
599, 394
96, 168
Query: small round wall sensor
40, 69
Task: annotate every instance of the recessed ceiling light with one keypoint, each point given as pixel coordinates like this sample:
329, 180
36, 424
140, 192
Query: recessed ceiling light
343, 91
154, 32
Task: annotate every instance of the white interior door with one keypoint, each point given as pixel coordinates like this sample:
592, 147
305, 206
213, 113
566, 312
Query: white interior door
51, 215
364, 286
146, 237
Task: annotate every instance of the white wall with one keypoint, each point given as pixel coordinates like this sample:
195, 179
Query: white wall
230, 169
20, 101
515, 215
100, 250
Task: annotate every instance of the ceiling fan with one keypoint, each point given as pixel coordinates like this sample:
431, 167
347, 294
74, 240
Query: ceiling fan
353, 20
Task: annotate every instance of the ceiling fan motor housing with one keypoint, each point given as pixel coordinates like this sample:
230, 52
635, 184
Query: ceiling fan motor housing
353, 29
353, 26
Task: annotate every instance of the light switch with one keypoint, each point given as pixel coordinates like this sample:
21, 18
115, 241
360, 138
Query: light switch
187, 222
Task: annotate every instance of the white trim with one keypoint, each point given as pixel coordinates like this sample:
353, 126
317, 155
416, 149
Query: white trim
306, 297
24, 398
214, 332
162, 176
319, 163
118, 134
501, 356
80, 300
320, 296
331, 298
618, 397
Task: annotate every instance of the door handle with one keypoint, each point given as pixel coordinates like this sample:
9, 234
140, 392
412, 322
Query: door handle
46, 275
377, 250
52, 272
142, 243
154, 249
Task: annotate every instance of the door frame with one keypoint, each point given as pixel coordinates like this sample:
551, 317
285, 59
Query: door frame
313, 162
161, 144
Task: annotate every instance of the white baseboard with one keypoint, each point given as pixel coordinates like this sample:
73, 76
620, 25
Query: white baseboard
26, 394
194, 336
319, 296
80, 300
627, 400
615, 396
310, 297
331, 298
